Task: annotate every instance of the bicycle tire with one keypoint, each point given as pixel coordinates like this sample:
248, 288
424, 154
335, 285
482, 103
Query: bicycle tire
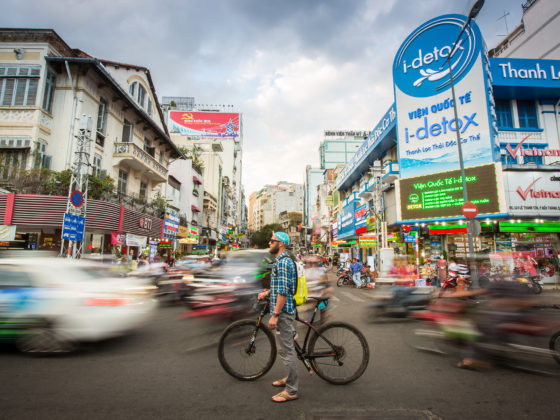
244, 328
336, 330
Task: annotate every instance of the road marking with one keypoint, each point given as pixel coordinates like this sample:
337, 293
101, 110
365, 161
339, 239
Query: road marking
351, 296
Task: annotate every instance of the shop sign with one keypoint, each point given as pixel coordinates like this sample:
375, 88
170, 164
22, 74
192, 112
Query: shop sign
182, 232
145, 223
523, 72
392, 237
368, 241
329, 200
165, 243
441, 194
410, 238
118, 238
371, 223
447, 229
7, 232
193, 231
360, 222
136, 240
73, 227
426, 125
535, 193
170, 225
529, 227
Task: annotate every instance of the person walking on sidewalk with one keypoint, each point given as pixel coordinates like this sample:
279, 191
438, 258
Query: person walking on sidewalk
283, 283
356, 268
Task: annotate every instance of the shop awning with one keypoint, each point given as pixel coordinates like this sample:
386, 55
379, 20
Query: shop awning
195, 208
196, 179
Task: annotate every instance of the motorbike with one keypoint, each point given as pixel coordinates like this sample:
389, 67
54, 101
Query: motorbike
532, 282
455, 276
449, 327
399, 302
345, 278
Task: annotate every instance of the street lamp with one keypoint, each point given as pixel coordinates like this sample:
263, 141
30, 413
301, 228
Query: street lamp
475, 9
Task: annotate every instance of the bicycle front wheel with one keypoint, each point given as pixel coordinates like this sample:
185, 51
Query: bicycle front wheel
246, 351
339, 353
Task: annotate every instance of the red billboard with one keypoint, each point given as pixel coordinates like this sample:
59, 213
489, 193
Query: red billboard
206, 124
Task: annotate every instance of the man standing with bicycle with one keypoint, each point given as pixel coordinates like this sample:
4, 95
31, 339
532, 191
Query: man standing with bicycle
283, 283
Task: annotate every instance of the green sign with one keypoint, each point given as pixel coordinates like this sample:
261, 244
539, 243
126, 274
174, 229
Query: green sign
529, 227
441, 194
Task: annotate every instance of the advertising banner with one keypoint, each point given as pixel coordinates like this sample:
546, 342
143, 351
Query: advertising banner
532, 193
360, 220
118, 238
441, 195
136, 240
171, 225
426, 126
347, 221
182, 232
7, 232
207, 124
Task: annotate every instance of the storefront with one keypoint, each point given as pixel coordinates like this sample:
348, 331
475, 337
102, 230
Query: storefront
37, 220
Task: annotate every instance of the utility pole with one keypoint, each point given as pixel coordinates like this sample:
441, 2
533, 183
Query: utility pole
76, 204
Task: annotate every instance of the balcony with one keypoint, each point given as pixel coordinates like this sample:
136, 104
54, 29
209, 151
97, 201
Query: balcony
135, 157
390, 172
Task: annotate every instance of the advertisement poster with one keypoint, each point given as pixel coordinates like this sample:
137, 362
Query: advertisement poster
533, 193
206, 124
426, 125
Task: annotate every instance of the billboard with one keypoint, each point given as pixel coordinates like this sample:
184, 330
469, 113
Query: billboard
441, 195
207, 124
426, 125
535, 193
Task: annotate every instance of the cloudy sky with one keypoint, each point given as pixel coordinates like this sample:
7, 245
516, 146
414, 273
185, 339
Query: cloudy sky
294, 68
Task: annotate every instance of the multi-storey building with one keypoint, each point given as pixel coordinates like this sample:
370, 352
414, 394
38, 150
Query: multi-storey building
338, 147
266, 205
45, 86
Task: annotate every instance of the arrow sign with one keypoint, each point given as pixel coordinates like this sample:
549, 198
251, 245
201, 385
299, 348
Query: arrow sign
469, 210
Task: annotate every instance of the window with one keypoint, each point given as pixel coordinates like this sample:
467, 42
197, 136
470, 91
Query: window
503, 114
128, 130
41, 158
143, 189
507, 159
527, 114
123, 182
161, 156
101, 122
148, 147
132, 89
49, 91
141, 95
150, 112
96, 166
534, 159
18, 85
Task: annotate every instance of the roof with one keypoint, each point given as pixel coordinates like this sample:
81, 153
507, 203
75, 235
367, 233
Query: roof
102, 71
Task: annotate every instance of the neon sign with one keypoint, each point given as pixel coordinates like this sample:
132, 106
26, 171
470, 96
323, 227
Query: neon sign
441, 195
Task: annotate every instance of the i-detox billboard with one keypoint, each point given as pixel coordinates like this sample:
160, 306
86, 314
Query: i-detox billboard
426, 126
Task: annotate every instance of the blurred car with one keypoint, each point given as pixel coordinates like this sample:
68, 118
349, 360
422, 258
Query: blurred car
230, 289
49, 305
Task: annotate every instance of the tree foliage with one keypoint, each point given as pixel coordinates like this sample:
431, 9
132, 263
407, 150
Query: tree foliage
261, 237
194, 155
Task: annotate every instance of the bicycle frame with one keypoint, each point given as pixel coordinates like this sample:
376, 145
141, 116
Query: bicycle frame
301, 351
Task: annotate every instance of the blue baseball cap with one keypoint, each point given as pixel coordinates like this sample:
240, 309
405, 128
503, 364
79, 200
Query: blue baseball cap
283, 237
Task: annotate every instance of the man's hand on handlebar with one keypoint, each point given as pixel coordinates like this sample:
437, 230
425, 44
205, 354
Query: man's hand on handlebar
264, 295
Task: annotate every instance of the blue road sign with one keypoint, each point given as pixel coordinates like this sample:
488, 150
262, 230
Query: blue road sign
73, 227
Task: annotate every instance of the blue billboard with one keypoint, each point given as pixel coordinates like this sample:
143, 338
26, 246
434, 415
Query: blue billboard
346, 221
426, 125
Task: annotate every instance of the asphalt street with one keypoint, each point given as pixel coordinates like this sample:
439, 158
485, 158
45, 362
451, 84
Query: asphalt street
169, 369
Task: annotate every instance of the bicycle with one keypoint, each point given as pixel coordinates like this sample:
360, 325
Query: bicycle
247, 355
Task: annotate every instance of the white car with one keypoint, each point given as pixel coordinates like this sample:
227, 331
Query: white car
49, 305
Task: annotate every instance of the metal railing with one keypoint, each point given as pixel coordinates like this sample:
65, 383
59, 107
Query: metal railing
137, 152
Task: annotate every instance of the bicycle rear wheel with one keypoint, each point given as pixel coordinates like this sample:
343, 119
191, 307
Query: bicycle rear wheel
344, 363
245, 351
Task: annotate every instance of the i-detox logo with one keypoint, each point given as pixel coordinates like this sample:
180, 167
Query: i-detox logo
420, 68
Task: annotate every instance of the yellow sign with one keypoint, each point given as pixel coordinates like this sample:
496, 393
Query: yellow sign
186, 241
183, 232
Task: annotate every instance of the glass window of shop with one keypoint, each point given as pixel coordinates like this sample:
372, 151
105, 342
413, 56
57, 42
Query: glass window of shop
527, 112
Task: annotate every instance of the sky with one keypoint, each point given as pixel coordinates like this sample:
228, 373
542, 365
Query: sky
293, 68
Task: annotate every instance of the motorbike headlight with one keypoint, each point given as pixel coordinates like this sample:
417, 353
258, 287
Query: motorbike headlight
238, 279
188, 278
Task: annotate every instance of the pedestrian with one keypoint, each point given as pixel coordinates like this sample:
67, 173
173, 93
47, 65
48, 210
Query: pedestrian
283, 283
356, 268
